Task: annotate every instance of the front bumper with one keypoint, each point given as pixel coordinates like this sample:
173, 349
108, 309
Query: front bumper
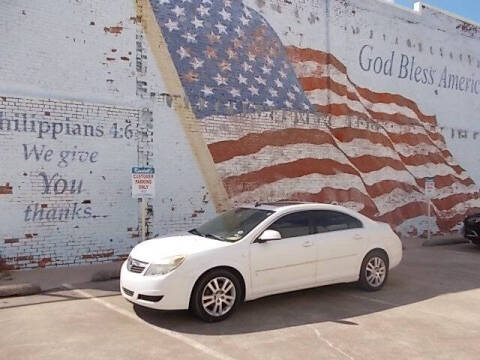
162, 292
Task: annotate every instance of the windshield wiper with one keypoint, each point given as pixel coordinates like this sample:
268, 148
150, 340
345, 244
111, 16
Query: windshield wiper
213, 237
195, 232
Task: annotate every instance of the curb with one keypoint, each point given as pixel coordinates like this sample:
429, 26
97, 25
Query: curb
445, 241
105, 275
19, 290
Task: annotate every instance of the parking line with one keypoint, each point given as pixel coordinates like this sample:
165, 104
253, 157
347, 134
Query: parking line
186, 340
337, 349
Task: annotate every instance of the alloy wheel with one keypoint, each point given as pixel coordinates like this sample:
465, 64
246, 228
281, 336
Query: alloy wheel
375, 271
218, 296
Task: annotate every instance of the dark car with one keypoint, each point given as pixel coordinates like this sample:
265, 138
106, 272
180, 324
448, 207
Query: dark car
472, 228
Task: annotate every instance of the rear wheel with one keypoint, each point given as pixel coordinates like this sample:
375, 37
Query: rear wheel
374, 271
216, 295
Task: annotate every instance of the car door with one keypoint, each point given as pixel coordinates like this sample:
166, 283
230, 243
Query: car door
340, 243
288, 263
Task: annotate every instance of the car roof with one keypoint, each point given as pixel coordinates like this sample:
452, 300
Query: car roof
285, 206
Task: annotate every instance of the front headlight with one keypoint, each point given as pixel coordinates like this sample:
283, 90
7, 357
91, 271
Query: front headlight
164, 266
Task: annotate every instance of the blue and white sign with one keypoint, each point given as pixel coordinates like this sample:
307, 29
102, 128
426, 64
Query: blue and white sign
143, 182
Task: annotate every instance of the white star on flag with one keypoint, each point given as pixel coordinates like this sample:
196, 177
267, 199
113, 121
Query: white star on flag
171, 25
183, 53
225, 15
178, 11
197, 23
220, 80
242, 79
206, 90
222, 29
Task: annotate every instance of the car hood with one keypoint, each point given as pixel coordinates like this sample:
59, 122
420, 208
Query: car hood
184, 244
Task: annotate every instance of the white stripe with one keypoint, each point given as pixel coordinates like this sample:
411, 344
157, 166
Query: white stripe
455, 189
313, 183
233, 127
363, 147
324, 97
429, 169
172, 334
388, 173
275, 155
420, 149
353, 205
395, 199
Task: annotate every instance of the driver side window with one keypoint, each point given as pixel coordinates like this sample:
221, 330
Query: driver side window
292, 225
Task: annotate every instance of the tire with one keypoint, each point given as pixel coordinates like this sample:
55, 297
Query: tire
216, 295
374, 271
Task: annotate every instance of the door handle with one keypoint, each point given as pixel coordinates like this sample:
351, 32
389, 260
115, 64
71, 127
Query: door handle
358, 237
307, 243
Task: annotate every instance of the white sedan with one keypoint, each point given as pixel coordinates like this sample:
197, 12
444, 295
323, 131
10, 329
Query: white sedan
250, 252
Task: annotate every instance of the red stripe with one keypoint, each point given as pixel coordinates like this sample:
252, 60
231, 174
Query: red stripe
445, 180
448, 202
420, 159
250, 181
404, 212
252, 143
369, 163
348, 134
329, 195
387, 186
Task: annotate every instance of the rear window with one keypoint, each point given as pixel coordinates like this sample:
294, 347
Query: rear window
327, 220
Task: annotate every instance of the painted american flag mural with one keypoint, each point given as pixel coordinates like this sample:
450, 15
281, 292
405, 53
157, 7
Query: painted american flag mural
283, 122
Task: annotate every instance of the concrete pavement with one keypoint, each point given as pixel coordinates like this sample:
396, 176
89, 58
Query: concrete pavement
428, 310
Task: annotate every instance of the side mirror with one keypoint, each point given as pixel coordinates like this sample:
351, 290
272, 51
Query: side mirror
268, 235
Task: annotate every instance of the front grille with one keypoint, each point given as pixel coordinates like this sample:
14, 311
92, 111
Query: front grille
137, 269
127, 292
136, 266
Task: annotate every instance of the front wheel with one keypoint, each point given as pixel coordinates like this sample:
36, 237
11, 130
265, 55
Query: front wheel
374, 271
216, 295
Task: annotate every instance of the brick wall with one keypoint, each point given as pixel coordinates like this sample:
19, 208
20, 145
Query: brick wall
67, 198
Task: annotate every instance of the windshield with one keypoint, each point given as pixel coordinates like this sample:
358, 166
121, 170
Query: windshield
233, 225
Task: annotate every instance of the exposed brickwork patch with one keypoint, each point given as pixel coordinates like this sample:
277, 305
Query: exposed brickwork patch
98, 256
6, 189
24, 258
113, 29
42, 263
11, 241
